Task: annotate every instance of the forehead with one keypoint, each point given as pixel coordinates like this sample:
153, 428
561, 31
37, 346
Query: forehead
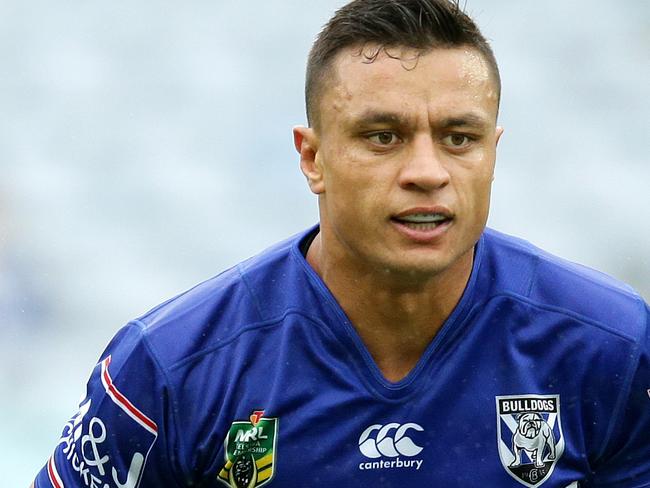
404, 79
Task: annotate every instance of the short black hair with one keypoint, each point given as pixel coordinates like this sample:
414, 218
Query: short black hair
418, 24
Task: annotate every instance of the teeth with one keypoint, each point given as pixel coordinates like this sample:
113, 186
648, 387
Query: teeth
421, 227
423, 218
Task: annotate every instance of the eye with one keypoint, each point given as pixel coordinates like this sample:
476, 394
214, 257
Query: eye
457, 140
384, 138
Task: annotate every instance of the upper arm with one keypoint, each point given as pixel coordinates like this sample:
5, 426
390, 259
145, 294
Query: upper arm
627, 464
123, 433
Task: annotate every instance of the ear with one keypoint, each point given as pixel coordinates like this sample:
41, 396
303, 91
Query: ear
498, 134
306, 143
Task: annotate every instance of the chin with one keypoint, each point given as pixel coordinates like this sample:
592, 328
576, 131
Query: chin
417, 269
425, 264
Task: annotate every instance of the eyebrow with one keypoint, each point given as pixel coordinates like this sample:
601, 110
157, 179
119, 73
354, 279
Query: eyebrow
371, 117
464, 120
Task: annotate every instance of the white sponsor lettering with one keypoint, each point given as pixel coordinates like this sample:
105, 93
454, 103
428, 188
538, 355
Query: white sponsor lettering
254, 434
134, 472
386, 445
89, 460
99, 454
393, 463
72, 430
390, 441
94, 440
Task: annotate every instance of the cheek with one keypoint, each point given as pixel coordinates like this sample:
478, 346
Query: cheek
483, 174
356, 201
353, 179
484, 188
351, 194
474, 189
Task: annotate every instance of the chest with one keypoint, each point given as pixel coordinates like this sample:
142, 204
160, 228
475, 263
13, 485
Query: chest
502, 409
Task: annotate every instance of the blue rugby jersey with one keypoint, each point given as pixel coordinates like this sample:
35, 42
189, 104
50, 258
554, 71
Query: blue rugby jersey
540, 377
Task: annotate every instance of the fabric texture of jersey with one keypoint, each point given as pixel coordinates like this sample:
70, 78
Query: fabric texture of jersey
540, 377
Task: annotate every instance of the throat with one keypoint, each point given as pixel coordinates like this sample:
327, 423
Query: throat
396, 318
396, 351
396, 369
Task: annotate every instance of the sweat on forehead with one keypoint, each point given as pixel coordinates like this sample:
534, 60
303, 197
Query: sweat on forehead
383, 77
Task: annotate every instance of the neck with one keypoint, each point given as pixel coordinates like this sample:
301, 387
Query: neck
396, 315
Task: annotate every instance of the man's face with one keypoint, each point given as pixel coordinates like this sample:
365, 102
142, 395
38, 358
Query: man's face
403, 158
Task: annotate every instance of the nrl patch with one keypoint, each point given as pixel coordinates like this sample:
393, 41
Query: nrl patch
250, 452
529, 436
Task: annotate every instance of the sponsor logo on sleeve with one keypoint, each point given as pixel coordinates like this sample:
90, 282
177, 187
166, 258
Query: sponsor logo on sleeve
250, 448
84, 443
390, 446
529, 436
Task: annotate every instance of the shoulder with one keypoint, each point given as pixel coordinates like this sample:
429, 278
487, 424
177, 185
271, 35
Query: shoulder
252, 295
544, 280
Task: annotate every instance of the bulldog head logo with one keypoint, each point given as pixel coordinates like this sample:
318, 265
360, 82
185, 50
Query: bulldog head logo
530, 439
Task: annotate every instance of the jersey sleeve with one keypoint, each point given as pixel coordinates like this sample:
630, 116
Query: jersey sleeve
628, 464
123, 434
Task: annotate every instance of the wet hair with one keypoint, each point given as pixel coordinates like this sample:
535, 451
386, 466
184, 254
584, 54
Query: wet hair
418, 24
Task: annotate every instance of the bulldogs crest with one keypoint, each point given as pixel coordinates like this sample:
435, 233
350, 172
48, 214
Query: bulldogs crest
530, 438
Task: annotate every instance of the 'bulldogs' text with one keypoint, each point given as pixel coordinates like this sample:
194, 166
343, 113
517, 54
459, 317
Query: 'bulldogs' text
528, 405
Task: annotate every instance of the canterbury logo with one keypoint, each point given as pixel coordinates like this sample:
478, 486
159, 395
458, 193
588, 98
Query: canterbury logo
390, 441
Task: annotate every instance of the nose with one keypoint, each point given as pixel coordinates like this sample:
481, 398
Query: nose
423, 167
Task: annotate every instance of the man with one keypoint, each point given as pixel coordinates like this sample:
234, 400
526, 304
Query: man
398, 343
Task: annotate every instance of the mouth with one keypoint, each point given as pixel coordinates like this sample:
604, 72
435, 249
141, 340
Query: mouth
423, 225
422, 221
530, 432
